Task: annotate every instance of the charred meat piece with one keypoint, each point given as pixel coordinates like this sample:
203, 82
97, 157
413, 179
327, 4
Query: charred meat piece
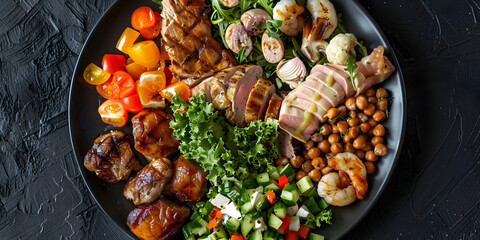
148, 183
258, 99
186, 34
153, 135
273, 110
160, 220
188, 181
111, 157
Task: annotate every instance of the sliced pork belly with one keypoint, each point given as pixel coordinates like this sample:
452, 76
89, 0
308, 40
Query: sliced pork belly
309, 95
318, 107
258, 100
274, 105
359, 79
298, 123
341, 77
325, 92
330, 84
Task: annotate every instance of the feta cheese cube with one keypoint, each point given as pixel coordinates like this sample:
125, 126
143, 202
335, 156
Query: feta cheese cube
255, 197
260, 224
220, 201
303, 212
294, 223
232, 210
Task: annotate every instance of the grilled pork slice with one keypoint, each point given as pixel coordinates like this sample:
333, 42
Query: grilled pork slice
147, 185
328, 82
340, 76
309, 106
111, 157
298, 123
257, 102
160, 220
188, 181
215, 90
285, 146
311, 96
186, 33
273, 110
153, 135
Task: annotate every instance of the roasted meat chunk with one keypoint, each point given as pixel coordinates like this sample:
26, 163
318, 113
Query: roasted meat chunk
153, 135
188, 181
160, 220
148, 183
258, 99
111, 157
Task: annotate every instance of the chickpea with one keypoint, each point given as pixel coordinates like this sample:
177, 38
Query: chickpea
370, 156
307, 166
360, 154
305, 155
361, 102
329, 155
343, 109
353, 133
370, 167
342, 127
313, 152
332, 112
368, 147
350, 104
309, 144
326, 170
352, 114
381, 93
352, 122
346, 138
372, 100
324, 146
333, 138
296, 161
372, 123
382, 105
379, 116
281, 161
326, 129
336, 148
319, 163
317, 137
335, 129
348, 147
379, 130
370, 110
376, 140
315, 175
370, 92
363, 117
359, 142
364, 127
300, 174
380, 150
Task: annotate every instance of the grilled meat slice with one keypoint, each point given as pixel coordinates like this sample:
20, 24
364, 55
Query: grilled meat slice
257, 102
188, 181
186, 33
111, 157
148, 183
340, 76
160, 220
153, 135
297, 122
273, 110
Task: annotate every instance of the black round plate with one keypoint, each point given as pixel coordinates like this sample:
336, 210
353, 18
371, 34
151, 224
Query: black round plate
85, 123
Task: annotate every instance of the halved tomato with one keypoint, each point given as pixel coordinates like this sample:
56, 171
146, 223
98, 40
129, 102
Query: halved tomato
145, 53
95, 75
135, 70
113, 112
132, 103
153, 31
143, 17
127, 39
105, 89
113, 62
122, 85
149, 86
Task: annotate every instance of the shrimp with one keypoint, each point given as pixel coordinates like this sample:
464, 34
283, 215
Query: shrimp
289, 12
353, 166
323, 9
329, 189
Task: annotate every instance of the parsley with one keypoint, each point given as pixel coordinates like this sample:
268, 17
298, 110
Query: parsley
351, 66
159, 2
272, 28
267, 5
338, 116
362, 49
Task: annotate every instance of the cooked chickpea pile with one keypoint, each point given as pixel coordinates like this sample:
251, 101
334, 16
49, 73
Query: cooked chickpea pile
353, 127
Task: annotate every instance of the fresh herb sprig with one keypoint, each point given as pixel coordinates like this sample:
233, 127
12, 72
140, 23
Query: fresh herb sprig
351, 66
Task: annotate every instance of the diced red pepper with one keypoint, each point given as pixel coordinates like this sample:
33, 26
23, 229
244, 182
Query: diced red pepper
271, 197
218, 215
282, 181
235, 237
303, 231
291, 235
213, 223
285, 223
214, 211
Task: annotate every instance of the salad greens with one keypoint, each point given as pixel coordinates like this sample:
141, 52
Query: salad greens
228, 153
351, 66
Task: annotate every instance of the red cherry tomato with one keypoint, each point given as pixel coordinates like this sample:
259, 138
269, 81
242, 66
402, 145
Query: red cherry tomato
122, 85
143, 17
113, 112
132, 103
153, 31
113, 62
105, 89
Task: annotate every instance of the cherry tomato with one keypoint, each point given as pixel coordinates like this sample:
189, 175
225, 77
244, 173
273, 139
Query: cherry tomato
145, 53
105, 89
135, 70
113, 62
113, 112
95, 75
143, 17
149, 86
122, 85
179, 88
128, 38
132, 103
153, 31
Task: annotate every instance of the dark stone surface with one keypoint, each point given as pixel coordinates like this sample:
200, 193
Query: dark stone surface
434, 192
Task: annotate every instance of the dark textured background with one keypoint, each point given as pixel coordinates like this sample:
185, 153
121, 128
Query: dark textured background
434, 192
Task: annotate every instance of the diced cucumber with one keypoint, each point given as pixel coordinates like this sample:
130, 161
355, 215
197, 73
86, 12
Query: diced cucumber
314, 236
322, 204
263, 179
273, 187
289, 187
312, 206
190, 238
260, 224
234, 193
262, 204
247, 225
255, 214
250, 183
314, 194
291, 211
303, 212
275, 175
187, 230
221, 233
294, 223
290, 195
280, 209
287, 171
304, 185
270, 235
255, 197
274, 221
232, 224
200, 227
256, 235
246, 208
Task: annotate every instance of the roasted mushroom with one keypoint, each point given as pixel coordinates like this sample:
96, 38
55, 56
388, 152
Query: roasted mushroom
312, 41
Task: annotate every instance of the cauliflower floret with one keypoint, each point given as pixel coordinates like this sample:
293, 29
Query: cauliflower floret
340, 47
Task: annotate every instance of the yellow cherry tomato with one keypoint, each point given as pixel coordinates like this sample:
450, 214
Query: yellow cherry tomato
128, 38
179, 88
149, 86
145, 53
95, 75
135, 70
